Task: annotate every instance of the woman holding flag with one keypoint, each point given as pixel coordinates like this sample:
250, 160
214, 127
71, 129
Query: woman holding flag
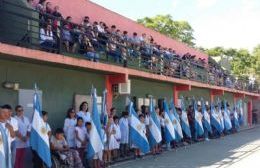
155, 136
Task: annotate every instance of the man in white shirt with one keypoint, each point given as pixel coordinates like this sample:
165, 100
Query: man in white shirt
6, 134
14, 123
22, 139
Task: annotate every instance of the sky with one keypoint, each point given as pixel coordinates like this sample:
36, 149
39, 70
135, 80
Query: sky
227, 23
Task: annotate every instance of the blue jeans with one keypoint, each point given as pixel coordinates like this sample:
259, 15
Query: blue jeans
92, 56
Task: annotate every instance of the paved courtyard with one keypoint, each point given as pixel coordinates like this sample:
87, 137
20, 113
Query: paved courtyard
241, 150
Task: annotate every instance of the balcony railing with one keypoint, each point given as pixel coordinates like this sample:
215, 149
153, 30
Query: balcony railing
25, 27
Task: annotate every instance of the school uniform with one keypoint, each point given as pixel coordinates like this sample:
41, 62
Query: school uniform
114, 141
85, 115
124, 129
24, 126
69, 131
5, 136
82, 135
14, 123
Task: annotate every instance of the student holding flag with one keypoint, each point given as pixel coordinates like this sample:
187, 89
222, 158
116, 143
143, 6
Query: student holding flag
184, 121
235, 120
39, 134
175, 119
155, 136
199, 131
169, 128
206, 120
138, 132
6, 130
240, 113
227, 121
95, 146
215, 121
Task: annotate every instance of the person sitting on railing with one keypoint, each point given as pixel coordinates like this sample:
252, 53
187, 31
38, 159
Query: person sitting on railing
46, 38
68, 39
88, 50
113, 50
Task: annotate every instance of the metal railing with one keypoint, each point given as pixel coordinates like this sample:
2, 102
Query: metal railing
22, 26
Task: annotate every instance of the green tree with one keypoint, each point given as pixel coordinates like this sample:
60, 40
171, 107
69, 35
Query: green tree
164, 24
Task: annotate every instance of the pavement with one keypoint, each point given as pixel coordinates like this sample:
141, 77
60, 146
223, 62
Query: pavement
240, 150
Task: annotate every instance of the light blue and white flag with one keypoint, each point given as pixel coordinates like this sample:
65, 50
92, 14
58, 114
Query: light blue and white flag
39, 135
227, 121
240, 112
235, 115
185, 122
169, 128
137, 134
5, 153
206, 121
155, 135
215, 119
221, 115
176, 122
198, 120
104, 115
95, 144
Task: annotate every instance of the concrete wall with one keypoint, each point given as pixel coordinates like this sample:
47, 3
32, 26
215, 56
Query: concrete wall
58, 85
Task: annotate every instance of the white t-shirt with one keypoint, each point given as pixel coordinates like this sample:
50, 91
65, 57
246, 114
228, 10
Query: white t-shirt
14, 123
82, 134
85, 115
24, 126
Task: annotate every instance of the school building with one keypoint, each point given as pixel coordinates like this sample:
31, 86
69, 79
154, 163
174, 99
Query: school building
64, 80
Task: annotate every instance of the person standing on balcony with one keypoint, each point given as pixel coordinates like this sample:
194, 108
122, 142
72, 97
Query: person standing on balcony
46, 38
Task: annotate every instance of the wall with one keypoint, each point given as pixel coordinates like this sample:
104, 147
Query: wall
140, 88
58, 85
99, 13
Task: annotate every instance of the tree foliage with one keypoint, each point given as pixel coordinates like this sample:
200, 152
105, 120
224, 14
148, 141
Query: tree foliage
243, 63
164, 24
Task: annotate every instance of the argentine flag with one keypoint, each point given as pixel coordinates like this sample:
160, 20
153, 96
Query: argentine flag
169, 128
227, 121
39, 136
198, 120
95, 144
185, 122
176, 123
137, 135
235, 115
155, 135
221, 116
5, 153
104, 115
241, 113
206, 121
215, 119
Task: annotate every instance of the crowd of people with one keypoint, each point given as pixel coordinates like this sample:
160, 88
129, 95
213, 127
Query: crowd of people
96, 39
70, 142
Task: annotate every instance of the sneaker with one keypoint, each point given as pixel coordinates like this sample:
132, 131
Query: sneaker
206, 139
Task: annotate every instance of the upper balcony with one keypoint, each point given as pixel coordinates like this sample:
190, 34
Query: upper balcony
25, 27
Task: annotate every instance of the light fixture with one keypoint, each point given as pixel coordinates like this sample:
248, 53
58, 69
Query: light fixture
11, 85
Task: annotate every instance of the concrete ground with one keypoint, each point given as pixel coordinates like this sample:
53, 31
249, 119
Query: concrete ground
241, 150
